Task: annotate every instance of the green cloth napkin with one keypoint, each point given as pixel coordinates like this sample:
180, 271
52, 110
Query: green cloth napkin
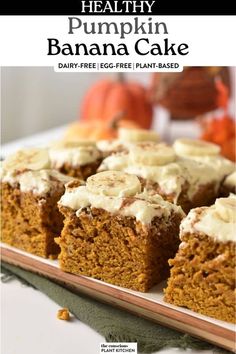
114, 324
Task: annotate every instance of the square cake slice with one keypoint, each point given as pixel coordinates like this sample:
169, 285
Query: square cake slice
30, 190
179, 180
206, 153
203, 271
117, 234
78, 159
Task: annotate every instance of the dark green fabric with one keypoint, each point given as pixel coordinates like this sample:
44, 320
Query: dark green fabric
114, 324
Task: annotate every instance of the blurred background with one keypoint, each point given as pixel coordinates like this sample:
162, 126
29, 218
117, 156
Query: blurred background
35, 99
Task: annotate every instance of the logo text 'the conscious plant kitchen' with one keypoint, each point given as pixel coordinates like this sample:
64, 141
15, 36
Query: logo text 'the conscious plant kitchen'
115, 28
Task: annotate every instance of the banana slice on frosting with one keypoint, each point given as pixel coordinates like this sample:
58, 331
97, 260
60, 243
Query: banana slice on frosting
72, 144
28, 159
194, 147
113, 184
226, 209
136, 135
152, 154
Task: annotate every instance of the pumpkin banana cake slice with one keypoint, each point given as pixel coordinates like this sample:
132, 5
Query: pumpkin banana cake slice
78, 159
206, 153
180, 180
203, 270
115, 233
30, 189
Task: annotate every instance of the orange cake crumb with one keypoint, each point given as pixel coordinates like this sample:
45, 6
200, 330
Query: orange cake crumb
63, 314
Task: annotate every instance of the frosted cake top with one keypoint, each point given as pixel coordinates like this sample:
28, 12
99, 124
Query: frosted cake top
120, 193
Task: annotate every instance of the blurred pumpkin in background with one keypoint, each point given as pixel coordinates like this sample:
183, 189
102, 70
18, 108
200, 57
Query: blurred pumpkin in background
222, 131
221, 128
107, 98
188, 93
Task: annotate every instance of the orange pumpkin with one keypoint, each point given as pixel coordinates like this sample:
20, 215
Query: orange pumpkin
228, 149
96, 129
108, 98
221, 131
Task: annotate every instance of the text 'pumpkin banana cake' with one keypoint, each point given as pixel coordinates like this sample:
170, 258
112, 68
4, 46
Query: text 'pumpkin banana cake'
30, 192
203, 270
75, 158
115, 233
182, 180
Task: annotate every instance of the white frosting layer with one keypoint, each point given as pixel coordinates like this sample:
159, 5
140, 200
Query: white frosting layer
38, 182
198, 174
116, 162
112, 145
221, 165
215, 222
73, 156
143, 206
170, 177
230, 181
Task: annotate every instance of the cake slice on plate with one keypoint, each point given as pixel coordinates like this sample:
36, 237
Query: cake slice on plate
75, 158
206, 153
203, 270
30, 191
179, 180
116, 233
